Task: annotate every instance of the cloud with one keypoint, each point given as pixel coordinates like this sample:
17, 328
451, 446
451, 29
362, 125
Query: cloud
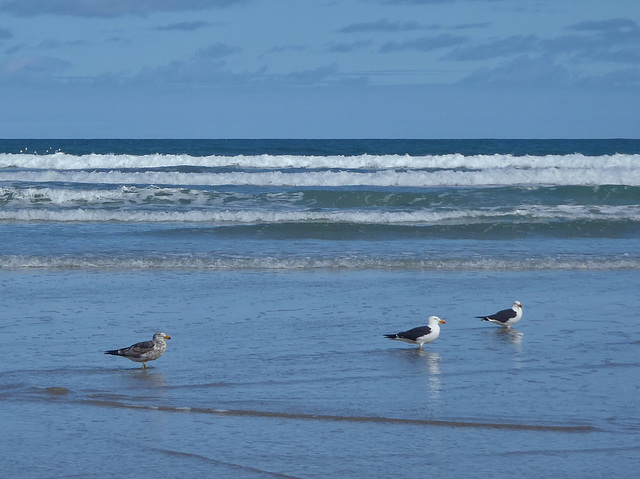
427, 2
565, 58
347, 47
627, 78
183, 26
5, 34
16, 48
622, 26
288, 48
584, 49
425, 44
629, 55
205, 67
107, 8
57, 44
523, 71
471, 26
218, 50
588, 56
496, 48
610, 41
545, 71
312, 76
208, 67
195, 71
381, 26
31, 69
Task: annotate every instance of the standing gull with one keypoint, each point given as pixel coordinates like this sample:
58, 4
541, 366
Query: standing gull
144, 351
506, 317
421, 334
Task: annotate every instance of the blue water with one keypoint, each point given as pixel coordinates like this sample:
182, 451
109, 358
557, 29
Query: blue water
277, 265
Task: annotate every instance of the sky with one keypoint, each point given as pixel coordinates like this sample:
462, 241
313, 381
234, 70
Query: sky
319, 69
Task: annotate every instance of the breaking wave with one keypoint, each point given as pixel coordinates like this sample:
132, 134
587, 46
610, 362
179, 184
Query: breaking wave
290, 263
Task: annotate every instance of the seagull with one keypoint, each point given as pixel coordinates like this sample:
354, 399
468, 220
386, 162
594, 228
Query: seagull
144, 351
506, 317
421, 334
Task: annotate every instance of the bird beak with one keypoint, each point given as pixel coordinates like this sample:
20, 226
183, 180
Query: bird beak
166, 336
442, 321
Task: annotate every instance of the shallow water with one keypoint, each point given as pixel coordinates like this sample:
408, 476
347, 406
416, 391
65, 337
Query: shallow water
287, 374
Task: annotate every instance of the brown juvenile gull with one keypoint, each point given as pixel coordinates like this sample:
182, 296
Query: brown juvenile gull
421, 334
144, 351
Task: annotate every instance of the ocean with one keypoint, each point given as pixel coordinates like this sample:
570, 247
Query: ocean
276, 266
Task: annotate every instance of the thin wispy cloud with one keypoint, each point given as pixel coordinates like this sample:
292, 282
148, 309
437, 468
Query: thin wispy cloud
608, 41
288, 48
618, 26
425, 44
381, 26
18, 47
312, 76
348, 47
183, 26
218, 50
471, 26
57, 44
198, 70
514, 45
32, 69
430, 2
523, 70
111, 8
626, 78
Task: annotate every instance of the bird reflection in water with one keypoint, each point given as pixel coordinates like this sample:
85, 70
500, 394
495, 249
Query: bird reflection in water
431, 362
511, 336
514, 339
148, 379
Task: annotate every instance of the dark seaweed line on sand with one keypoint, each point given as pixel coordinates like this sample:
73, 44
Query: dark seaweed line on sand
333, 418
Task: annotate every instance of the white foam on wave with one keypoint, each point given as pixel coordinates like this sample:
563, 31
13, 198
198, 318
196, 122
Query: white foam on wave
272, 263
435, 216
62, 161
102, 196
555, 176
61, 196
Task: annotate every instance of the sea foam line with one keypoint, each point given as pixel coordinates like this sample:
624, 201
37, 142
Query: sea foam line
382, 178
424, 217
271, 263
62, 161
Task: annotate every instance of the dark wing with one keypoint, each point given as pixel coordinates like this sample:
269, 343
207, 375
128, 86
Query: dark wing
140, 348
502, 316
415, 333
146, 345
135, 350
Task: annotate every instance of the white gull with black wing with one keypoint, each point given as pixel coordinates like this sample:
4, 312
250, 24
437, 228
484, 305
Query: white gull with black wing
144, 351
506, 317
420, 335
